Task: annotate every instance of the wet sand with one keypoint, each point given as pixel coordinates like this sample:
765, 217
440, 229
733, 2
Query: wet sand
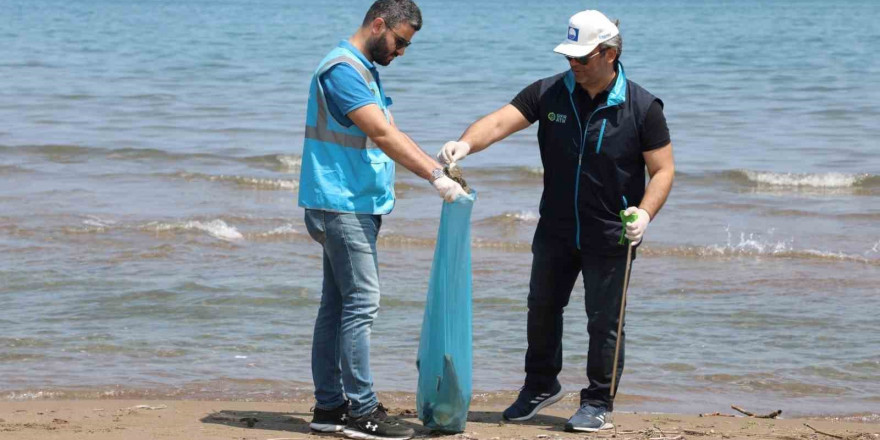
189, 419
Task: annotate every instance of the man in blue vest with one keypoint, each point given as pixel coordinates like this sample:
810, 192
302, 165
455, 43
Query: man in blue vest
346, 185
597, 132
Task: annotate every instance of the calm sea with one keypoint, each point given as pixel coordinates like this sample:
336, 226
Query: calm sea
151, 246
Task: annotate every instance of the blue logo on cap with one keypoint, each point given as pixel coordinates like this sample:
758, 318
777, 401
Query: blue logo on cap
572, 33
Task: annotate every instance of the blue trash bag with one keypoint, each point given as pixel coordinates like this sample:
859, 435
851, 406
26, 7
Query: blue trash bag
445, 360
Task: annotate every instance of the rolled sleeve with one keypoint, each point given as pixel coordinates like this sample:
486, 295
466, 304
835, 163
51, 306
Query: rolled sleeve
345, 91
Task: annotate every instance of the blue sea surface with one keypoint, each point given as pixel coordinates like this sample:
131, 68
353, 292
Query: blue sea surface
151, 243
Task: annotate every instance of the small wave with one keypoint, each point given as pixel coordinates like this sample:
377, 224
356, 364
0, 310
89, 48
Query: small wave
532, 171
33, 395
20, 357
276, 162
74, 96
23, 342
66, 153
519, 171
156, 97
778, 250
809, 180
279, 232
756, 245
215, 228
99, 223
859, 418
216, 389
509, 218
8, 170
242, 181
769, 382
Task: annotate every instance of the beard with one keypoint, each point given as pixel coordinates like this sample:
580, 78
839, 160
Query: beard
380, 52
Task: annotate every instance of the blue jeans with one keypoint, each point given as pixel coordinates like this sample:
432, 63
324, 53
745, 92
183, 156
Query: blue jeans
349, 304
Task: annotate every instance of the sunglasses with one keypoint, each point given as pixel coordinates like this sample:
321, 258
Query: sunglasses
586, 58
399, 41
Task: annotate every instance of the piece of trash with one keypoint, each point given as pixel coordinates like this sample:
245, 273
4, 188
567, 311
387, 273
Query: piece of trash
453, 171
542, 436
148, 407
240, 357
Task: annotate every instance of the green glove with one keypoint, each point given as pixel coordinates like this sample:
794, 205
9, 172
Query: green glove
625, 219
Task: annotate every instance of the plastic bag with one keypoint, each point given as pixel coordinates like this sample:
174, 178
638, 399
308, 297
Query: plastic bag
445, 359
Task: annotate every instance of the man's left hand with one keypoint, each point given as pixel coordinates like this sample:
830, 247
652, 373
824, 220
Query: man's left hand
636, 230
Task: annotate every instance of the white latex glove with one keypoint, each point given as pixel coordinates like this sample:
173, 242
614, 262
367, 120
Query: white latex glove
636, 230
453, 151
448, 188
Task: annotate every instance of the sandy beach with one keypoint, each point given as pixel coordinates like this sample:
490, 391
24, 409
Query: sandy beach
188, 419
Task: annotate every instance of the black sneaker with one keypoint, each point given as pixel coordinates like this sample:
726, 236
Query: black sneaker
377, 426
330, 420
530, 402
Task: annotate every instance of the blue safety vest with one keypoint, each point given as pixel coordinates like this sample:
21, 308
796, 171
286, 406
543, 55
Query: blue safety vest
342, 169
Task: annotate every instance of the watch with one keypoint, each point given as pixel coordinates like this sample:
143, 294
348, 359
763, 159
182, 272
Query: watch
436, 173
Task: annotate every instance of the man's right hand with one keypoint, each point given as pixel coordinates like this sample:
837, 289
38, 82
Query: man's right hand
448, 188
453, 151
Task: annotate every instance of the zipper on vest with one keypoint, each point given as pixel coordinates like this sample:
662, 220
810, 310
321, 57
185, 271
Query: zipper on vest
577, 177
601, 135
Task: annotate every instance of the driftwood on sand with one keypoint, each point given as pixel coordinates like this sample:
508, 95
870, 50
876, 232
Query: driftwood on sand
771, 415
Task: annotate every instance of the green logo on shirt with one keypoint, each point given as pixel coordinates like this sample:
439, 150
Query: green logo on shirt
560, 118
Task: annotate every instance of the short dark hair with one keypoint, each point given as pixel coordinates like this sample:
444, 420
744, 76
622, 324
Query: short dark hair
394, 12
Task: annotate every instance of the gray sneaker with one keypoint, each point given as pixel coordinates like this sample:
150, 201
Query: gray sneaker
589, 419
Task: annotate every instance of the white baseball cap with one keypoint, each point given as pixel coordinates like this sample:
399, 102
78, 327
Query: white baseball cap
586, 30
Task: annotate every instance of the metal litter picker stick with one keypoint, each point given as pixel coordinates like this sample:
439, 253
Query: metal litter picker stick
622, 299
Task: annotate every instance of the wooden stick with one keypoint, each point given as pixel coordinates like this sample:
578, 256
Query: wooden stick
771, 415
620, 319
661, 431
742, 410
823, 433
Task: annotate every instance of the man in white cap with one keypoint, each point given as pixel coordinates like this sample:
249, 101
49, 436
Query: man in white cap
597, 133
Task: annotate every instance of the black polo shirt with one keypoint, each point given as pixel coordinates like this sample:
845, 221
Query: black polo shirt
654, 133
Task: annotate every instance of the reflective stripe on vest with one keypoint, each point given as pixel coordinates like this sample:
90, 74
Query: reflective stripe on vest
342, 170
320, 132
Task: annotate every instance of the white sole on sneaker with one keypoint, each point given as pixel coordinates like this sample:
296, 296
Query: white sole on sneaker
351, 433
324, 427
607, 425
547, 402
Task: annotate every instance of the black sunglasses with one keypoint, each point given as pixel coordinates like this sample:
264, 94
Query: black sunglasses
584, 59
399, 41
